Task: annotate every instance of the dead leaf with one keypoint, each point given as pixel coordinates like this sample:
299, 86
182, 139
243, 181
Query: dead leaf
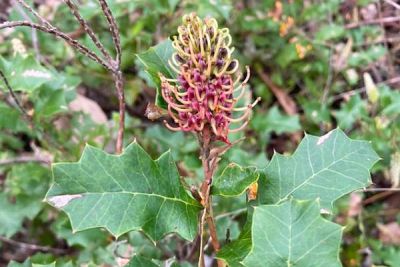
153, 112
343, 53
252, 191
394, 172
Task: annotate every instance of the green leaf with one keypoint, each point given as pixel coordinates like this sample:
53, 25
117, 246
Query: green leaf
275, 121
10, 118
233, 253
155, 60
351, 111
13, 214
325, 167
234, 180
293, 234
25, 73
329, 32
123, 193
138, 261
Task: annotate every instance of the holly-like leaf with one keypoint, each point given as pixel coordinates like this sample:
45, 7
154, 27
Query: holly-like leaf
325, 167
123, 193
155, 60
234, 180
293, 234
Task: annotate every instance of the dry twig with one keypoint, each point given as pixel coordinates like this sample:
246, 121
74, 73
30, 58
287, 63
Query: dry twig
110, 64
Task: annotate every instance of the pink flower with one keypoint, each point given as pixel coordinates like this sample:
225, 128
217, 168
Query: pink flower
207, 86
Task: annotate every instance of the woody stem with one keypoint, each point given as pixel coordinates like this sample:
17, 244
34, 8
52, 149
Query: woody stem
209, 167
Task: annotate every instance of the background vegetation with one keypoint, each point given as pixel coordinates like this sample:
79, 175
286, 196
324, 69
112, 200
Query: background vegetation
316, 65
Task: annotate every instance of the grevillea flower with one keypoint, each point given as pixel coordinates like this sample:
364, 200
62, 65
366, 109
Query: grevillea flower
208, 86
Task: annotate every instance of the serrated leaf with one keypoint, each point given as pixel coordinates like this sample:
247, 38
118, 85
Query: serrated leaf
155, 60
234, 180
325, 167
293, 234
123, 193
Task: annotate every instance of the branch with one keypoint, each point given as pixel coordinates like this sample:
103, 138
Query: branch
24, 159
393, 3
113, 66
283, 98
119, 82
87, 29
72, 42
373, 21
32, 246
209, 162
40, 18
10, 90
119, 85
35, 43
113, 29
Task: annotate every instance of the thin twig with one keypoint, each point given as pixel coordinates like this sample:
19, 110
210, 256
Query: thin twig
393, 3
378, 196
24, 159
72, 42
119, 85
113, 29
362, 89
388, 55
373, 21
37, 15
87, 29
32, 246
117, 73
283, 98
380, 189
14, 97
230, 214
329, 78
113, 66
35, 43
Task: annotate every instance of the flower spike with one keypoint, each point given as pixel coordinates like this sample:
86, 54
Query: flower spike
202, 96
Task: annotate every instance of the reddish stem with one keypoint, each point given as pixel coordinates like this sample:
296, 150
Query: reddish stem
209, 166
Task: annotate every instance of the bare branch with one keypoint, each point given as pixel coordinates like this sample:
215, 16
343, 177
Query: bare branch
113, 29
72, 42
32, 246
373, 21
35, 43
25, 159
393, 3
10, 90
119, 85
40, 18
87, 29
